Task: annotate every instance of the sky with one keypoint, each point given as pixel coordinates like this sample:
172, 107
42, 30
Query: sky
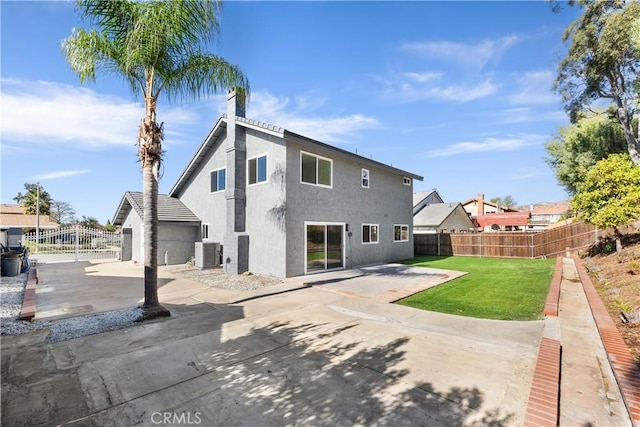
457, 92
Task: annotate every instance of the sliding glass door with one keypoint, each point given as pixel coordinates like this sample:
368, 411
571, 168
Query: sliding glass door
324, 247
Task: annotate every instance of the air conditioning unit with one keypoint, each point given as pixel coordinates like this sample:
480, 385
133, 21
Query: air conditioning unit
207, 255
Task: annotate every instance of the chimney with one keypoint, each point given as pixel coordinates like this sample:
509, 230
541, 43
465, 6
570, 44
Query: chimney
236, 103
236, 241
480, 204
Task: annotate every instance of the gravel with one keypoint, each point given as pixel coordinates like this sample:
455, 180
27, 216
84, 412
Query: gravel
12, 291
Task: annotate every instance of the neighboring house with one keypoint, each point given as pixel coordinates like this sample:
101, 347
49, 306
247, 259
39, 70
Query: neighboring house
283, 205
424, 198
178, 229
545, 214
488, 216
442, 218
13, 216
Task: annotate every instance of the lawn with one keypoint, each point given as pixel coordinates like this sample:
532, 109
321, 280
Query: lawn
495, 288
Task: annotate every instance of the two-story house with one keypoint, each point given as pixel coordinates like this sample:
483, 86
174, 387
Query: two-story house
283, 205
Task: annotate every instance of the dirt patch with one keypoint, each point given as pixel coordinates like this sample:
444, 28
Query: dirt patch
616, 276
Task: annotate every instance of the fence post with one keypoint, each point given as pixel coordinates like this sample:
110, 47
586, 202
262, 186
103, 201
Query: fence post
77, 242
438, 243
532, 246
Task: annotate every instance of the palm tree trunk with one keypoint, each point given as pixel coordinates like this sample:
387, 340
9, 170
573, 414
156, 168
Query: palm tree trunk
150, 153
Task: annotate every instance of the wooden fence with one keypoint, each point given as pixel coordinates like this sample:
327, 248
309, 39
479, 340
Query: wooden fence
550, 243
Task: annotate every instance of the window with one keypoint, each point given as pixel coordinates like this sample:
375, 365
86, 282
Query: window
257, 170
400, 233
406, 180
365, 178
369, 233
218, 180
205, 231
315, 170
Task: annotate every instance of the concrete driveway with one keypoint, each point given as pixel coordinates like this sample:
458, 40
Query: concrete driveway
303, 357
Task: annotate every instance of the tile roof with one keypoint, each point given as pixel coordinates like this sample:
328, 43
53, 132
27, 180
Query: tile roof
169, 209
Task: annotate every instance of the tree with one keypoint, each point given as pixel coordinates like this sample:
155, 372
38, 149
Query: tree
89, 222
62, 212
29, 199
158, 48
610, 194
578, 146
109, 226
506, 201
603, 63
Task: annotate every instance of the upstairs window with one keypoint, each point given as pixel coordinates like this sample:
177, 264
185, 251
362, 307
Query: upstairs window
257, 170
369, 233
218, 180
316, 170
365, 178
406, 180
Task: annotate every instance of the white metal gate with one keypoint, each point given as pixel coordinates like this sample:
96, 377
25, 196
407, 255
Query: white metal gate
74, 243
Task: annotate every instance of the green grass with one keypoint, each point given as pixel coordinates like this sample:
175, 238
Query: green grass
495, 288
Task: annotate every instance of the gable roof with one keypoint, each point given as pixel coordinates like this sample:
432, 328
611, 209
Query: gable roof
421, 196
169, 209
13, 216
435, 214
219, 131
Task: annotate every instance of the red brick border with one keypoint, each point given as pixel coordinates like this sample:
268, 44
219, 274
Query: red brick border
625, 370
28, 311
553, 297
544, 396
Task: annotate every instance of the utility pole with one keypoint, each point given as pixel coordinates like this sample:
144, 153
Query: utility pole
37, 215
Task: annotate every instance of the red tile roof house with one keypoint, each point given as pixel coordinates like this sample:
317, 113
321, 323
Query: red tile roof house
489, 216
282, 204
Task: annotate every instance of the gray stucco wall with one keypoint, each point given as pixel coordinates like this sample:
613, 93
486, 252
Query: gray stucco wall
264, 201
175, 238
266, 207
134, 222
386, 202
209, 207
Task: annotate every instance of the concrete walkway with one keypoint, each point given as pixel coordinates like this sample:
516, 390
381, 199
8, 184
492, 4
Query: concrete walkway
305, 357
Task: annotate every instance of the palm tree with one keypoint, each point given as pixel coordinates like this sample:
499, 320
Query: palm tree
158, 48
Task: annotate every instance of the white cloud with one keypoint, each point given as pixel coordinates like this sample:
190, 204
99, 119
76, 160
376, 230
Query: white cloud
535, 87
299, 117
525, 114
57, 113
413, 89
507, 143
423, 77
527, 173
476, 55
57, 175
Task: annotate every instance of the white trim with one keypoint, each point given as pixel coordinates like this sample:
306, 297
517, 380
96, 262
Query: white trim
202, 226
394, 233
217, 179
317, 169
344, 252
362, 234
368, 178
406, 180
266, 156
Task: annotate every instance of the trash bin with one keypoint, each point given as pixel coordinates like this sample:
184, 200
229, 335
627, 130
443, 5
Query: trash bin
10, 265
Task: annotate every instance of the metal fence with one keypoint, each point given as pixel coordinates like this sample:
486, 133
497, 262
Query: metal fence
74, 243
550, 243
